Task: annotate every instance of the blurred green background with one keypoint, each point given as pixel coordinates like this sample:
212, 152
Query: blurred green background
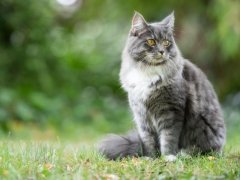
60, 59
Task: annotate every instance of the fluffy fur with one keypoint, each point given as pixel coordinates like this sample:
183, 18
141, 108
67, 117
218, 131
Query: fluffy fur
174, 105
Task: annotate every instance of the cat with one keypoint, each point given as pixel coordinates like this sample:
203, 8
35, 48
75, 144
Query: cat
173, 103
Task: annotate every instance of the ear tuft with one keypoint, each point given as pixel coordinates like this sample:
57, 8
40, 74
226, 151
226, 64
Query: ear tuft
138, 20
169, 21
138, 23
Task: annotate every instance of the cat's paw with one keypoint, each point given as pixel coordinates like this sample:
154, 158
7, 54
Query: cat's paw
170, 158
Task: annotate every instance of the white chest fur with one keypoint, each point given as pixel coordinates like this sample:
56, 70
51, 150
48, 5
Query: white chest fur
138, 82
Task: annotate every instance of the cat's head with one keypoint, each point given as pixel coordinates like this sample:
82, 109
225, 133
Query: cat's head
152, 43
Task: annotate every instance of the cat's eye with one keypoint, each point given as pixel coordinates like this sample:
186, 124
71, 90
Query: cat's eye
151, 42
166, 43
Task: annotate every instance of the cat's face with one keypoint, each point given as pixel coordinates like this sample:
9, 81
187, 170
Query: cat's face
152, 44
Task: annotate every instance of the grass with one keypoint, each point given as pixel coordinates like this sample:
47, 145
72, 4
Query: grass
46, 157
62, 160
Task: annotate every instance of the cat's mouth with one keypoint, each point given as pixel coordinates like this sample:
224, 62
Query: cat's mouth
159, 60
156, 62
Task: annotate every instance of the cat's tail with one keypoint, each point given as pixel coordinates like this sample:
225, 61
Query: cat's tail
116, 146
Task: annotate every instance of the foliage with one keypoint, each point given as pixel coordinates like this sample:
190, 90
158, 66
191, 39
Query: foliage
61, 63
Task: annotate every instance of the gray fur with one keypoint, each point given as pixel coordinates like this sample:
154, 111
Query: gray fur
174, 105
116, 146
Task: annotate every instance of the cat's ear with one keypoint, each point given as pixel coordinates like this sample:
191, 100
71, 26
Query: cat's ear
169, 21
139, 24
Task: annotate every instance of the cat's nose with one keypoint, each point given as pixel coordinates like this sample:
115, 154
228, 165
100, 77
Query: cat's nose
161, 52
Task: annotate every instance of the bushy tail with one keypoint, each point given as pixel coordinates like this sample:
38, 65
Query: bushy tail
116, 146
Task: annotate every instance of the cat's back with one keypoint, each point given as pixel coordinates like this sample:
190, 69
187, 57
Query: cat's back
204, 124
191, 73
200, 93
196, 80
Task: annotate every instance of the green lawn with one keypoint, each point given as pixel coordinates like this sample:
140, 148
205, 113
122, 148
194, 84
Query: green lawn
31, 153
62, 160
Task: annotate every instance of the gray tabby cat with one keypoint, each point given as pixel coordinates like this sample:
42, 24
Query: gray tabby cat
173, 103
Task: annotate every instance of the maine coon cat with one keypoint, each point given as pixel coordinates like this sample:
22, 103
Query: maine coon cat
174, 105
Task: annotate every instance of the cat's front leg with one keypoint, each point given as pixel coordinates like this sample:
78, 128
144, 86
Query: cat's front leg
169, 139
144, 127
148, 140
